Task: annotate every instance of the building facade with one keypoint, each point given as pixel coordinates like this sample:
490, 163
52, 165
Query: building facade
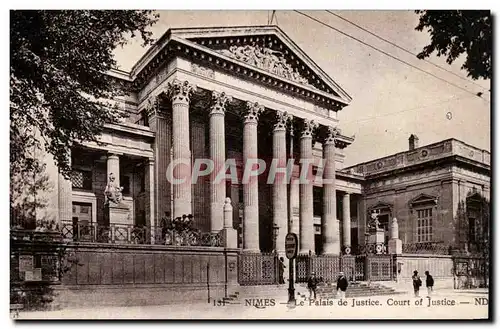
233, 95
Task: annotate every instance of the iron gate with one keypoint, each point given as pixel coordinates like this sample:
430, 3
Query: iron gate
257, 269
379, 267
471, 272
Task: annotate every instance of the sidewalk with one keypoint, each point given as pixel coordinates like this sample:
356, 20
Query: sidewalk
382, 307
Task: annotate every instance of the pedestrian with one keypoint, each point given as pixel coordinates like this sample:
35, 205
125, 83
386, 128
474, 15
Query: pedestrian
416, 283
282, 270
312, 284
429, 283
342, 285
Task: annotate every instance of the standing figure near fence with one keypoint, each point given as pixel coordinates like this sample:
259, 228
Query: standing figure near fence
417, 283
312, 284
282, 270
342, 285
429, 283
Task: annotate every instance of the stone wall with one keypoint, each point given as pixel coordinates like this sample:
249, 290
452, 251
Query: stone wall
145, 275
439, 266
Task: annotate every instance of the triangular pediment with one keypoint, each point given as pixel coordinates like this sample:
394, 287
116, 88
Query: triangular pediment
381, 206
267, 49
422, 199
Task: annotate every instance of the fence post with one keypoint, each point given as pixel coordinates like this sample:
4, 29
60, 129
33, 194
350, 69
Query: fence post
208, 281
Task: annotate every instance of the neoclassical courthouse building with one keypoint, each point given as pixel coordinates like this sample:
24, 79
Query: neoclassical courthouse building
249, 92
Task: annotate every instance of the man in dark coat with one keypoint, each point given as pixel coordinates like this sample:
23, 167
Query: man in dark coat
429, 282
341, 285
282, 270
416, 283
312, 284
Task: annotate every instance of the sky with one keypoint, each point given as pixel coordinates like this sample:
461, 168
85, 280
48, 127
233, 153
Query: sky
391, 100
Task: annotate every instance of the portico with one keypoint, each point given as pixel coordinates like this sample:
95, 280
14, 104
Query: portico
238, 97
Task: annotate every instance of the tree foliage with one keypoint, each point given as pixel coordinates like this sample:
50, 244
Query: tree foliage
60, 91
455, 32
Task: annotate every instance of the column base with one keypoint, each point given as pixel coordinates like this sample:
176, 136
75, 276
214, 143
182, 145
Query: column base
333, 249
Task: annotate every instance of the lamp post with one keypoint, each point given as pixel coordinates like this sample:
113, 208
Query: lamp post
275, 251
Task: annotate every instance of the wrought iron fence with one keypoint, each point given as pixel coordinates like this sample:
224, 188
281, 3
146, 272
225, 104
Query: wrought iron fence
130, 234
258, 269
373, 248
439, 248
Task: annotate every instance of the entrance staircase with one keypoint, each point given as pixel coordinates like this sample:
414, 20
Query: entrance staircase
325, 290
357, 289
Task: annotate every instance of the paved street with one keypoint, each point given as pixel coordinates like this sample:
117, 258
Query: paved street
445, 305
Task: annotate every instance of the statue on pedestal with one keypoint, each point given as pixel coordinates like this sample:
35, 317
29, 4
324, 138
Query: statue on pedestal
374, 223
113, 192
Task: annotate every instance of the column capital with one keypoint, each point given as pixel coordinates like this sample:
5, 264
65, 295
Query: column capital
309, 128
282, 118
253, 110
113, 155
219, 102
152, 106
180, 91
331, 136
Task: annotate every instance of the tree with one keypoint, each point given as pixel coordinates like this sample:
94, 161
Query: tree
455, 32
60, 91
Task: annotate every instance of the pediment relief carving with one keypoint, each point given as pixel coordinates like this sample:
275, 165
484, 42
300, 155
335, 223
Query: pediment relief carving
267, 59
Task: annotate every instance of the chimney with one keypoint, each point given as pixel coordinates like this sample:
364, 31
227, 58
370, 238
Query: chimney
413, 142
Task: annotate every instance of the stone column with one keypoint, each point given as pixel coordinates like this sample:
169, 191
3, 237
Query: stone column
251, 188
65, 198
280, 199
180, 93
330, 225
346, 215
218, 156
149, 181
160, 124
306, 225
117, 212
113, 165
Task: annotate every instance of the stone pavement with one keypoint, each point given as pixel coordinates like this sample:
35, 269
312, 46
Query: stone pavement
446, 304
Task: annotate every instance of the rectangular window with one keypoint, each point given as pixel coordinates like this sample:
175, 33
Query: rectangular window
424, 225
81, 179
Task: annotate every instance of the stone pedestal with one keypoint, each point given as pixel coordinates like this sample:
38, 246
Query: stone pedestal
118, 214
229, 234
395, 246
376, 236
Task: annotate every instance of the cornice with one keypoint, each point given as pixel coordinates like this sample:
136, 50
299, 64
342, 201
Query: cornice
177, 47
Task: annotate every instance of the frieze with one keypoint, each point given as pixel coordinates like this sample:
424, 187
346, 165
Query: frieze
321, 110
203, 71
266, 59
